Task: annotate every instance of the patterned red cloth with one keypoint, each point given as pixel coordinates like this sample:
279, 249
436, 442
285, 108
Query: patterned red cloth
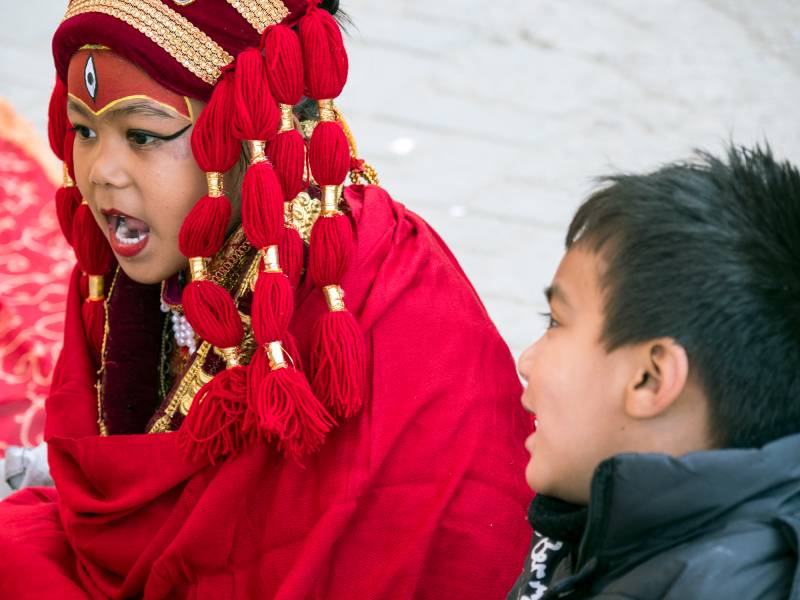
35, 262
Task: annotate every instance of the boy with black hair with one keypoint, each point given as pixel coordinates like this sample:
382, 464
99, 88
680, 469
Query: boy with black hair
667, 390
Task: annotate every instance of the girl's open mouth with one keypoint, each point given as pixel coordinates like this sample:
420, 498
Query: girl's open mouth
128, 235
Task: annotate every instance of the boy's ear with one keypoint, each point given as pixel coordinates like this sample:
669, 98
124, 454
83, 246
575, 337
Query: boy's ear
660, 377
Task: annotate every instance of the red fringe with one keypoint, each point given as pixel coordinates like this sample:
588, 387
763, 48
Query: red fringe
324, 55
91, 247
68, 199
212, 313
331, 250
287, 408
262, 206
215, 426
94, 322
338, 363
203, 230
57, 122
329, 154
256, 115
292, 251
214, 146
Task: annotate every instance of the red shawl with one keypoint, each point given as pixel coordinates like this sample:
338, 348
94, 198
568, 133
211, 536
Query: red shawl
420, 496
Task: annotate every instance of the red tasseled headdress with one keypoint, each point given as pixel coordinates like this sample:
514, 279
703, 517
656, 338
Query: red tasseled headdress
252, 60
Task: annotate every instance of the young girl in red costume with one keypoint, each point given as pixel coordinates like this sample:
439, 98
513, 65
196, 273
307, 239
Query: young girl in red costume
272, 385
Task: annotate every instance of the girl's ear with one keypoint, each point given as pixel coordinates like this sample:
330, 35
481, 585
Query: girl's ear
658, 381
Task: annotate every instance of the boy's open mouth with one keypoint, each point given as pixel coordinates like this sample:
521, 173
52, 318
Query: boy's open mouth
128, 235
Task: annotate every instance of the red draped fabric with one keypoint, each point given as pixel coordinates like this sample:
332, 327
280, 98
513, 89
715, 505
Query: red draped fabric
420, 496
35, 262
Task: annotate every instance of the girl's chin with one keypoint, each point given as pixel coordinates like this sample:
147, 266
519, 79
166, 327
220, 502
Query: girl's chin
150, 268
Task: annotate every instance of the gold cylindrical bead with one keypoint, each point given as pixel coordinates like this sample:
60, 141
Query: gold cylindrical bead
271, 262
276, 358
287, 117
258, 153
330, 200
231, 356
96, 287
334, 296
326, 110
68, 182
197, 268
216, 186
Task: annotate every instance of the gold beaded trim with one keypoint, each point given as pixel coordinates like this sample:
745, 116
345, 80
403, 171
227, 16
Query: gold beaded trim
171, 31
261, 13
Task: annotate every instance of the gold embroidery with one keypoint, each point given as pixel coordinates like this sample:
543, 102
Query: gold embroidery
101, 421
171, 31
302, 213
261, 13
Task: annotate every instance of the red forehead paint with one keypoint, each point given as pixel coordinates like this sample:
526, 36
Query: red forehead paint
100, 79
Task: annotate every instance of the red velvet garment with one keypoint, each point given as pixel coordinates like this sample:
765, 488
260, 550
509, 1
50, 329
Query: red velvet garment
422, 495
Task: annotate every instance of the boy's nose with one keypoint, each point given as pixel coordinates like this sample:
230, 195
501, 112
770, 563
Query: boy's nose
524, 362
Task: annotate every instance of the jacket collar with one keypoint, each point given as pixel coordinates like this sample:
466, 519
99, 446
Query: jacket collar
664, 500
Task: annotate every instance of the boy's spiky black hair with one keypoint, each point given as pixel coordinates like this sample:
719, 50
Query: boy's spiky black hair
708, 253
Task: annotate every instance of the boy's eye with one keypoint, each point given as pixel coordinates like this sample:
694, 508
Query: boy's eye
551, 322
83, 132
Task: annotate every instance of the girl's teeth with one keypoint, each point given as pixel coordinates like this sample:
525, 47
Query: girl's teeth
127, 236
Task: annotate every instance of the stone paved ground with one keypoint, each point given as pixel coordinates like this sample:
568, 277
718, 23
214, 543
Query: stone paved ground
490, 119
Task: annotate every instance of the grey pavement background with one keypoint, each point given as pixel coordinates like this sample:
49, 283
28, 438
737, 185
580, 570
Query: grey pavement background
491, 118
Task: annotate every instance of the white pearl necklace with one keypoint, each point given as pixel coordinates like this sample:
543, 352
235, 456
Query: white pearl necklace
184, 334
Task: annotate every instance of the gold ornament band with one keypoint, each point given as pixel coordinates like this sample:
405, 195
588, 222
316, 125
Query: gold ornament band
257, 150
67, 179
197, 268
330, 200
169, 30
261, 13
216, 187
327, 112
334, 296
96, 288
287, 118
231, 356
271, 262
276, 357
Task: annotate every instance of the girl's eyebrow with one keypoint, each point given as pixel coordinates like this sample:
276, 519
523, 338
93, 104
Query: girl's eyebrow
145, 109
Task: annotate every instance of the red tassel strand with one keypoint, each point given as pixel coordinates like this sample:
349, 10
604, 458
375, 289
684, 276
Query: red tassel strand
324, 55
292, 254
262, 206
256, 116
212, 314
57, 123
213, 427
203, 230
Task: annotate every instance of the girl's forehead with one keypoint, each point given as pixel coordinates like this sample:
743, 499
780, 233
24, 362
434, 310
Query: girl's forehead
100, 80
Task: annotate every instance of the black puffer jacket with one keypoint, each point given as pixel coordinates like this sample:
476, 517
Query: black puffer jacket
723, 524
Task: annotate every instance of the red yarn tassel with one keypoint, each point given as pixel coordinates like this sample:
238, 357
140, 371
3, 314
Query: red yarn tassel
290, 409
324, 55
212, 313
331, 249
338, 362
94, 323
329, 153
284, 63
203, 230
214, 426
91, 247
57, 123
262, 206
292, 251
288, 154
68, 199
214, 146
256, 115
